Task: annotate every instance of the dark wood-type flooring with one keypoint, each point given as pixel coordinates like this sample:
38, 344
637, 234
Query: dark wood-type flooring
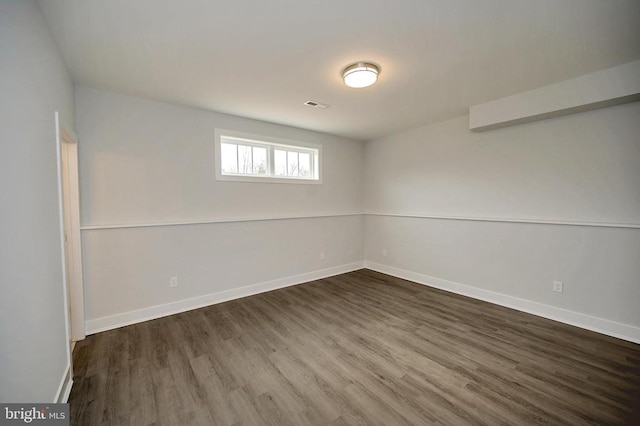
359, 348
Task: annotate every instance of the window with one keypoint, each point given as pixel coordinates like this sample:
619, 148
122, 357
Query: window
242, 157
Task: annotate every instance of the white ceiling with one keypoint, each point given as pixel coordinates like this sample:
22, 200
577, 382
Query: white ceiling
264, 58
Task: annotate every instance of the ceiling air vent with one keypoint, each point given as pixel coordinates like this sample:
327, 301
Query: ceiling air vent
315, 104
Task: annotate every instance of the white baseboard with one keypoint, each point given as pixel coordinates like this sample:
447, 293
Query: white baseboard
132, 317
66, 383
599, 325
67, 391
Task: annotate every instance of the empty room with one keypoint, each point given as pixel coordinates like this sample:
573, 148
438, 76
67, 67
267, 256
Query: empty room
370, 212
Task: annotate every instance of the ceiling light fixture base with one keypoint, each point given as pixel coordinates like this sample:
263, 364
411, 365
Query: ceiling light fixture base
360, 74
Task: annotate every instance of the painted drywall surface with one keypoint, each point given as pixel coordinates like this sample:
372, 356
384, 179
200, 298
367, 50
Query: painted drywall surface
143, 161
130, 269
612, 86
34, 84
575, 168
598, 266
582, 167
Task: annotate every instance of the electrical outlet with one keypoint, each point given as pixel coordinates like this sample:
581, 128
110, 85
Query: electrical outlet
173, 282
384, 252
557, 286
321, 255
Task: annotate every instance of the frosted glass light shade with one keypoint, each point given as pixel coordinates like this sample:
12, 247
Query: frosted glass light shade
360, 74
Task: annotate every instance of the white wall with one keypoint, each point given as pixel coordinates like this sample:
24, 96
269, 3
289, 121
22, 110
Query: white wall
146, 162
577, 168
33, 84
582, 167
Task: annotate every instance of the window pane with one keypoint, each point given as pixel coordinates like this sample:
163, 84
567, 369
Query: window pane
292, 162
245, 164
259, 161
280, 162
255, 159
229, 157
304, 164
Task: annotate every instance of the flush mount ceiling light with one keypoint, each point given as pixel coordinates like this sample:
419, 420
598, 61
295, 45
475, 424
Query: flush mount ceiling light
360, 74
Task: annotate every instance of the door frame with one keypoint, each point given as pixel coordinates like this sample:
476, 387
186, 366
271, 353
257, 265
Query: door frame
67, 143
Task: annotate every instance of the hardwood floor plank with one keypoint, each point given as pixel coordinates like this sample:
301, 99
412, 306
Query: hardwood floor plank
143, 410
361, 348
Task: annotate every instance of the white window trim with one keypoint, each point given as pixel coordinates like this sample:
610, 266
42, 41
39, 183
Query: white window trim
258, 139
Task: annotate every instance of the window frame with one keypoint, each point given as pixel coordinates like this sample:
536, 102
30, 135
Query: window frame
221, 136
